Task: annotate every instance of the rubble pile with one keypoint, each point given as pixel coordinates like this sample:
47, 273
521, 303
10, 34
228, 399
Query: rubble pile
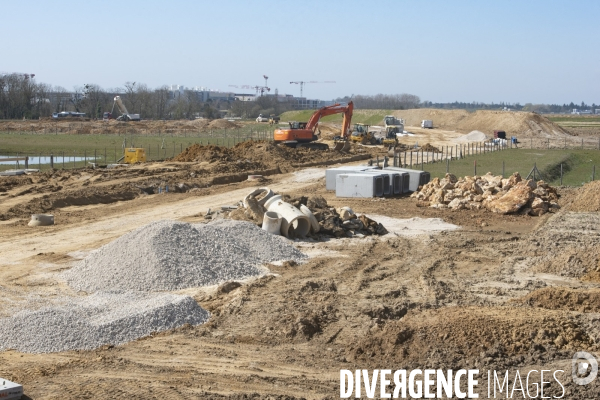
335, 223
490, 192
339, 222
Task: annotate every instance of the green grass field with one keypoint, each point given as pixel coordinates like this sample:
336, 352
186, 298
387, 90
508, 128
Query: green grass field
577, 164
563, 118
109, 148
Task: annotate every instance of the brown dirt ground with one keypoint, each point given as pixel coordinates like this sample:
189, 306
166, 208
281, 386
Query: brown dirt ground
474, 297
49, 125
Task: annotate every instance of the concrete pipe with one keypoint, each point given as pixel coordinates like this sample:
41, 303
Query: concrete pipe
41, 220
272, 223
268, 193
314, 224
293, 222
272, 200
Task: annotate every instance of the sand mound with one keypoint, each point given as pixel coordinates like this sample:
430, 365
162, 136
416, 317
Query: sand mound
473, 136
588, 199
515, 123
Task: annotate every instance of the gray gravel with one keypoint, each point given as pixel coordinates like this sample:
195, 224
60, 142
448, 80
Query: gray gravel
101, 318
168, 255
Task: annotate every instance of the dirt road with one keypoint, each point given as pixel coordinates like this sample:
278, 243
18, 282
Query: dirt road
492, 294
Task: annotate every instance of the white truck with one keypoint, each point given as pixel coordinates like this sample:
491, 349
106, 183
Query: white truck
427, 124
125, 116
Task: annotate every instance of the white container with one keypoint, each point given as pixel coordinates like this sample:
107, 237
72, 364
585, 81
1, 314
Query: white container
272, 223
417, 178
331, 173
293, 221
10, 390
387, 180
314, 224
359, 185
427, 123
41, 220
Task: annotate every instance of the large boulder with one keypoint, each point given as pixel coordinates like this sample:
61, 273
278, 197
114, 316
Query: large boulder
513, 200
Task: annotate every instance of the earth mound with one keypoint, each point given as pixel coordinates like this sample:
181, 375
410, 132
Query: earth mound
588, 199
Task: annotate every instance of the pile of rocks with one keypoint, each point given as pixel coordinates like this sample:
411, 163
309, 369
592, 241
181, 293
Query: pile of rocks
341, 222
491, 192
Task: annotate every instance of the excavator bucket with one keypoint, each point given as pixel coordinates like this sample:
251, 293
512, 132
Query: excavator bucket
343, 146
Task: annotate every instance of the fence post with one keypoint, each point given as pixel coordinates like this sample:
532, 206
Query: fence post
447, 165
475, 168
561, 174
411, 159
63, 159
421, 159
51, 161
84, 158
26, 162
40, 161
405, 158
594, 173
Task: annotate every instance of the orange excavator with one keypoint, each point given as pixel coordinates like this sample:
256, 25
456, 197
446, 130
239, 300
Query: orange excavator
303, 134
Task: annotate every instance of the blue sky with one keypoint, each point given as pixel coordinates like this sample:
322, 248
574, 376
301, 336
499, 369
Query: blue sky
512, 51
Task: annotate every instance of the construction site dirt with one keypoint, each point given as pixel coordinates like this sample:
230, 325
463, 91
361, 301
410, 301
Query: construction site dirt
443, 289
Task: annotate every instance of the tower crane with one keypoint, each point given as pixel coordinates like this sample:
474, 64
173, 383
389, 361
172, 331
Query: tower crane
302, 83
258, 89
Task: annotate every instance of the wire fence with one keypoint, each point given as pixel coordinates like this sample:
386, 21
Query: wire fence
418, 157
157, 148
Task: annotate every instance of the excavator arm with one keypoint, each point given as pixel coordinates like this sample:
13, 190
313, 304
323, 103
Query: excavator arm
330, 110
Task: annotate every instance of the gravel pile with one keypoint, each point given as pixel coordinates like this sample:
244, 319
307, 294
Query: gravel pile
101, 318
168, 255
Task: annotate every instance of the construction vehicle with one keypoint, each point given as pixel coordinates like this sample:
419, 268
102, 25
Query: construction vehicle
391, 136
361, 134
125, 116
303, 134
133, 155
262, 118
391, 121
273, 119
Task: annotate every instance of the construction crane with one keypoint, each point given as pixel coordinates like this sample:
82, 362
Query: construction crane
258, 89
302, 83
266, 79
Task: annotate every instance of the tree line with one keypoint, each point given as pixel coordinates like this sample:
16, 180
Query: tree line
22, 97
